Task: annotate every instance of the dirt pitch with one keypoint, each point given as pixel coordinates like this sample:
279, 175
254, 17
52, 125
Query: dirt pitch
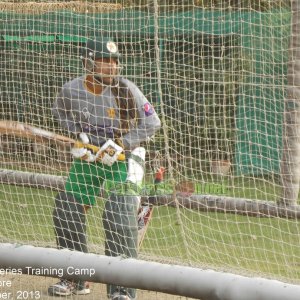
26, 287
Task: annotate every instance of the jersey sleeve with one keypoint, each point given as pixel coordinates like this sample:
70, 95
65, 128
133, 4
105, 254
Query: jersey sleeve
148, 121
62, 111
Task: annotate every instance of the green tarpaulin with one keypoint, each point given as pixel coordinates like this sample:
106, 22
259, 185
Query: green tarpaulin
263, 38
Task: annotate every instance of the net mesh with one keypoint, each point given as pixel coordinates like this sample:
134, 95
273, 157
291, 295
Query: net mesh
216, 75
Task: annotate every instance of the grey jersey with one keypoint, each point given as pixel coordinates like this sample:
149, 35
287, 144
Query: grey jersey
79, 110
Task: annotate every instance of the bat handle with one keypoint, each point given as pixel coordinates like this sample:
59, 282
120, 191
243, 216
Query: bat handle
95, 149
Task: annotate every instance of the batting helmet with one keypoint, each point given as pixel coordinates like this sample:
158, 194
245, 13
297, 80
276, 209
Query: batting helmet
101, 48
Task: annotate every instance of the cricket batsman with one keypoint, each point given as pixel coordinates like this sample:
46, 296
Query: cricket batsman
106, 110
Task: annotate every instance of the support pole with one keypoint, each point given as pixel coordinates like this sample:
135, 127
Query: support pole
290, 164
171, 279
207, 203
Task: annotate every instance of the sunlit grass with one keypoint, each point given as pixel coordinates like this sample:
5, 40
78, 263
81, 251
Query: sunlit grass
251, 245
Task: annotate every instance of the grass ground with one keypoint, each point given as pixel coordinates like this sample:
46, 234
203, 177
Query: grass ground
268, 247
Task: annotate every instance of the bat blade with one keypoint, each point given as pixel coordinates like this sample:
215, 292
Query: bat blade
31, 132
27, 131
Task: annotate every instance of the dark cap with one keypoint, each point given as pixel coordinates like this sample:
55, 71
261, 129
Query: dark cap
100, 48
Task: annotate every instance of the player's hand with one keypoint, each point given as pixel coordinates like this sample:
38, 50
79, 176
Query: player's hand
80, 151
109, 153
83, 153
83, 138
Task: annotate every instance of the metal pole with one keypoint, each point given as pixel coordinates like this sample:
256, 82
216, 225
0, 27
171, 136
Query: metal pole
171, 279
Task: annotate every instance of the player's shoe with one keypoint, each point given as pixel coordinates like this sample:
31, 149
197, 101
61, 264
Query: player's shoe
66, 288
121, 295
81, 288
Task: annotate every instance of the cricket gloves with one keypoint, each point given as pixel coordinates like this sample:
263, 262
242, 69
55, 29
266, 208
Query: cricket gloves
83, 154
79, 150
109, 153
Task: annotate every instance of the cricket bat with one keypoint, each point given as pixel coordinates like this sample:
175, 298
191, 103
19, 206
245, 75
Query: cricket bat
30, 132
146, 210
144, 218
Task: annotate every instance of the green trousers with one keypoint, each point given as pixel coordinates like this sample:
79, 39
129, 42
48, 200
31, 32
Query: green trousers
85, 179
119, 217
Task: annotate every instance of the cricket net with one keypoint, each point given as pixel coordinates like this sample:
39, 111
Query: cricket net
216, 73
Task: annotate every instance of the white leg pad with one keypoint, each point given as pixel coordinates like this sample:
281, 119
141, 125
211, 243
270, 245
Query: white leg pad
136, 169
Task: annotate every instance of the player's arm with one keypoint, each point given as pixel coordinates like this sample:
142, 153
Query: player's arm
148, 122
62, 112
87, 147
